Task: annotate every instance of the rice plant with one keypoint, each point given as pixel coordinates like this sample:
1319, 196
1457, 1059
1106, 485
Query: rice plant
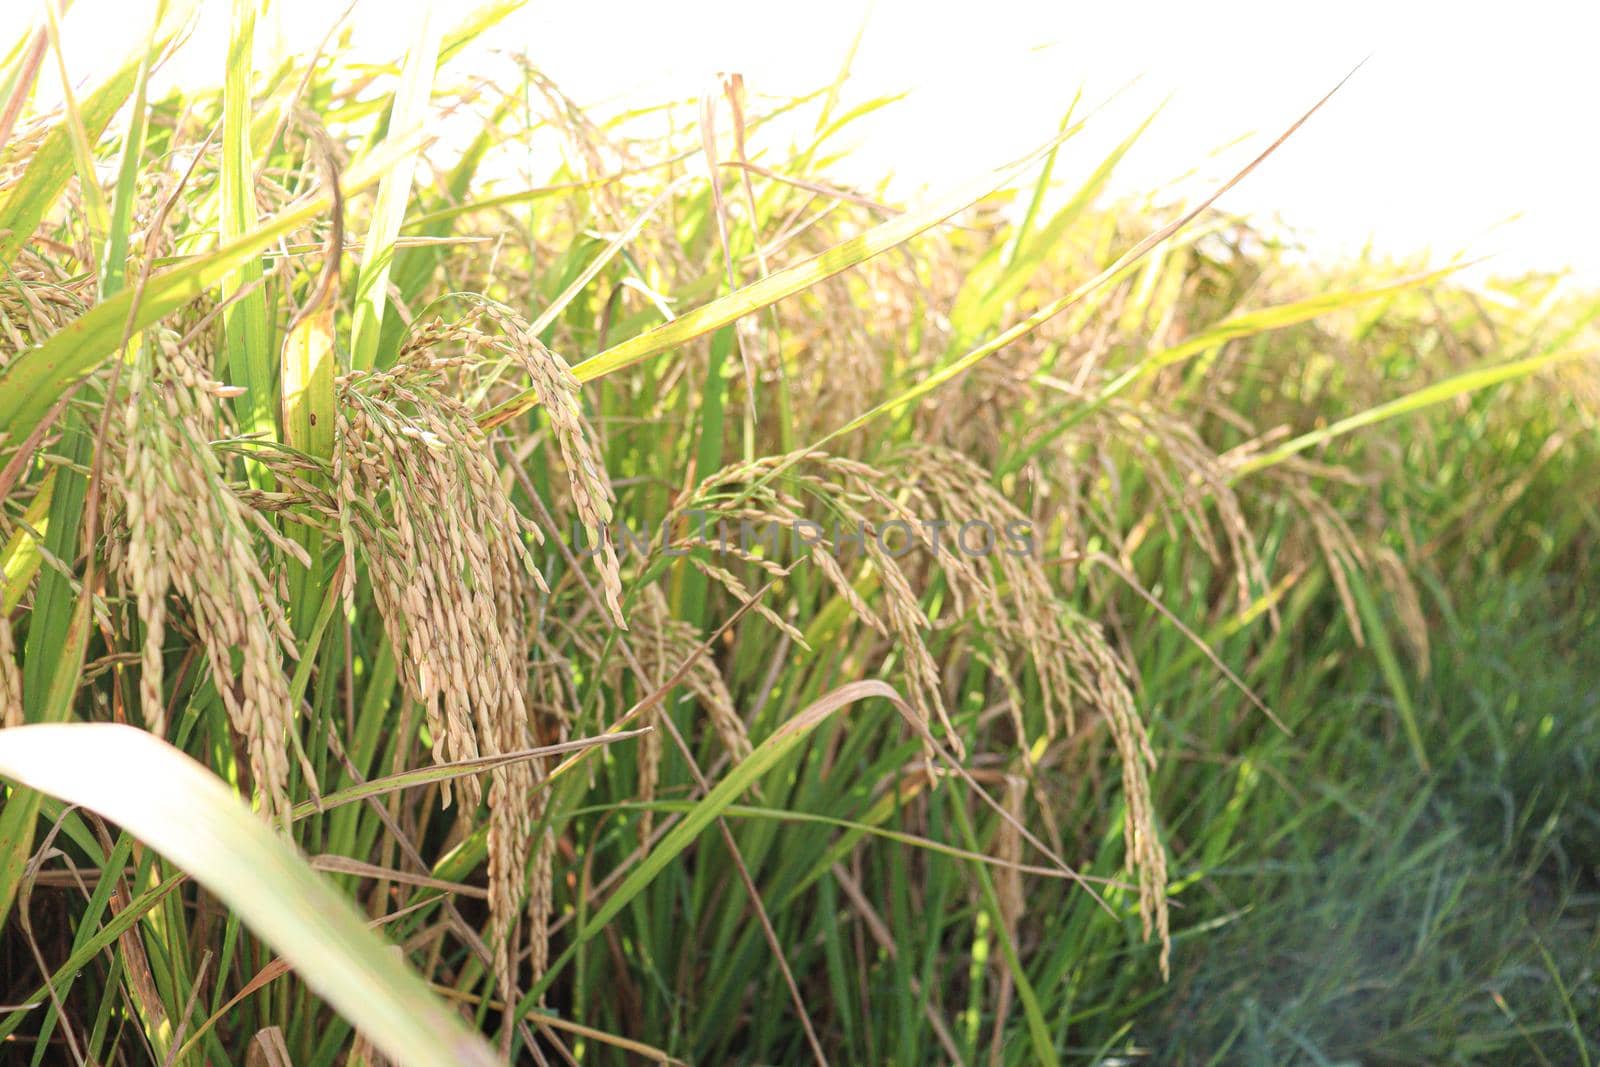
691, 610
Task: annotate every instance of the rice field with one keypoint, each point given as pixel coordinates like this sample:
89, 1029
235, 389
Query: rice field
679, 607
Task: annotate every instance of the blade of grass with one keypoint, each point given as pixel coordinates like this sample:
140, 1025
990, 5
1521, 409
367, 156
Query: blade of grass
97, 215
21, 559
441, 772
740, 778
1459, 385
1377, 634
1044, 1049
51, 648
58, 634
25, 204
20, 80
85, 950
394, 191
308, 365
188, 815
983, 296
248, 353
114, 260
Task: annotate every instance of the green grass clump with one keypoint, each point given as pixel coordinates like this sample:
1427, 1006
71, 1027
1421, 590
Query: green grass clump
405, 502
1422, 919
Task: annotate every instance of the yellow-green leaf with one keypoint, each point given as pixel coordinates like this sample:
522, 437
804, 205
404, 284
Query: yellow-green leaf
187, 814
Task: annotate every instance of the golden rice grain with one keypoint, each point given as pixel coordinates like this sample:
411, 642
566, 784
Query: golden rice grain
189, 531
1010, 593
418, 495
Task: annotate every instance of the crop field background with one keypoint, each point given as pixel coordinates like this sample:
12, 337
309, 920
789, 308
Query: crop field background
483, 581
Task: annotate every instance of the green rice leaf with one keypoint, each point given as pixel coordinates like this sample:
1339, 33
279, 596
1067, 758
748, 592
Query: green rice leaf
394, 191
739, 779
1471, 381
246, 332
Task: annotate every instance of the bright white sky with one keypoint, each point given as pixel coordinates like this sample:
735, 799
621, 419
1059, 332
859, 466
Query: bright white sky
1465, 117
